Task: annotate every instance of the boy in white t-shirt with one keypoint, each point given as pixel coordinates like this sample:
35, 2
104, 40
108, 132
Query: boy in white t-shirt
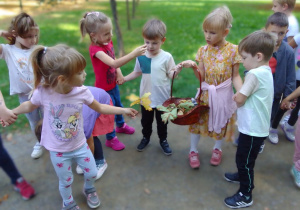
254, 101
156, 68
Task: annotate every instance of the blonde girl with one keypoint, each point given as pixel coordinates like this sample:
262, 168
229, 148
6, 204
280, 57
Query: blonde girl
218, 64
23, 35
107, 69
58, 87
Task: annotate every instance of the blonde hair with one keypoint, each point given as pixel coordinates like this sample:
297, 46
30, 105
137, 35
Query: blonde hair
258, 42
20, 26
290, 3
154, 29
92, 22
219, 19
50, 62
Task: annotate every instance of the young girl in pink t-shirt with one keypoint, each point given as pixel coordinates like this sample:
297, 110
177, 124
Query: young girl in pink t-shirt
58, 87
107, 69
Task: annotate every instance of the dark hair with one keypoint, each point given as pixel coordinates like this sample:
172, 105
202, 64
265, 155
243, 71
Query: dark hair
20, 26
258, 42
279, 19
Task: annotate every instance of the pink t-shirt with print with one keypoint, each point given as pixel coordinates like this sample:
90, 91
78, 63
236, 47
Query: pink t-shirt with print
63, 121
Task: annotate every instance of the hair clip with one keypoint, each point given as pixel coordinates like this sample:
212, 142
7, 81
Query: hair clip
93, 13
230, 26
45, 49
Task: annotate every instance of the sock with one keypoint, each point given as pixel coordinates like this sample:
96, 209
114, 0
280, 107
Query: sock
194, 142
218, 144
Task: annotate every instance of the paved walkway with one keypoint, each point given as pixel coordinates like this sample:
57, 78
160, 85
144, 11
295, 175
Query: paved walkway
150, 180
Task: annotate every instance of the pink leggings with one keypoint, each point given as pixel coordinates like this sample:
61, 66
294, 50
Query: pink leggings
297, 146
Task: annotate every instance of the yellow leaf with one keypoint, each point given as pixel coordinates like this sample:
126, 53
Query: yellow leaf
144, 101
132, 97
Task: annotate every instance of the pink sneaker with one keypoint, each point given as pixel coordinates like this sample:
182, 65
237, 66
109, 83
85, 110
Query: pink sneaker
115, 144
194, 160
25, 189
216, 157
125, 129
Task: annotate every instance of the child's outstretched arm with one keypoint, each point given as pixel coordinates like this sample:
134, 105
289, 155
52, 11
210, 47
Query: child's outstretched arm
285, 104
132, 76
107, 109
5, 35
7, 117
123, 60
25, 107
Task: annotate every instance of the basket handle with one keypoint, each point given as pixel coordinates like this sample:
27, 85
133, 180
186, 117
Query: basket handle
173, 81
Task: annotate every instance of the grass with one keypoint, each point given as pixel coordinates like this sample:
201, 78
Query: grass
184, 36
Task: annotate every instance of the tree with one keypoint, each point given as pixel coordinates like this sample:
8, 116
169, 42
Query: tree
113, 5
128, 15
21, 5
133, 9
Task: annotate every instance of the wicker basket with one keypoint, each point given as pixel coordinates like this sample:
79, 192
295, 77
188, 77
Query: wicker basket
192, 116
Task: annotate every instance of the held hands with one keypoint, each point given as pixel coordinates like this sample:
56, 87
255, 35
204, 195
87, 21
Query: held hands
285, 104
141, 50
120, 79
189, 64
7, 117
131, 112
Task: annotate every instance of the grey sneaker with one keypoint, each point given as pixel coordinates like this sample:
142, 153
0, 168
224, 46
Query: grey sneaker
92, 198
71, 206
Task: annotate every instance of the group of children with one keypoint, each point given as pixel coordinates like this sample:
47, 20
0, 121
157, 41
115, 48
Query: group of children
71, 120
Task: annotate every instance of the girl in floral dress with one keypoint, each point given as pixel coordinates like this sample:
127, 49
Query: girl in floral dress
218, 65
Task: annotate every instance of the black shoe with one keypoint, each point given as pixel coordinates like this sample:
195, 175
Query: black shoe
165, 147
232, 177
238, 200
143, 144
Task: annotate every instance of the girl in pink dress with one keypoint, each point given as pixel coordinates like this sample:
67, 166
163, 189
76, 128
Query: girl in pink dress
218, 64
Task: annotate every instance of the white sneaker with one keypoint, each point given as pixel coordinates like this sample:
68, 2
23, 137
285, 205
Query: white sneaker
101, 169
37, 151
284, 120
79, 170
273, 136
288, 132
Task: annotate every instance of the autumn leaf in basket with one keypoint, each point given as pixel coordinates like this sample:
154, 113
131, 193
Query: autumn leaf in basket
144, 101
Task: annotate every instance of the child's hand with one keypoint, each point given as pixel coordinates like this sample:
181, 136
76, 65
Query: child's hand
5, 34
131, 112
120, 79
285, 104
234, 96
7, 117
189, 64
141, 50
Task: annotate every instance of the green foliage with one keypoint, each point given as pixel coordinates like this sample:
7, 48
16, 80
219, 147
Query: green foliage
184, 36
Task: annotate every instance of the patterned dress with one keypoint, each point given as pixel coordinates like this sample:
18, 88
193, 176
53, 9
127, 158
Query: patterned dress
218, 66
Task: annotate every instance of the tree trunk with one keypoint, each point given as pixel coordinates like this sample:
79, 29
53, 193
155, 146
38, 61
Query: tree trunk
21, 5
128, 15
113, 5
133, 9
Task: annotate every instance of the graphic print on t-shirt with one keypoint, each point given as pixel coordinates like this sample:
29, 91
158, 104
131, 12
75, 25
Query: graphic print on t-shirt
64, 129
110, 73
24, 73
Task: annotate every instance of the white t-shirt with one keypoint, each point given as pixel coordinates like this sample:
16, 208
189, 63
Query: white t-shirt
254, 116
293, 26
155, 78
63, 121
20, 71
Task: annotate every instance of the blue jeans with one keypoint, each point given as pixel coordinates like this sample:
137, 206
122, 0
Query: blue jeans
7, 164
115, 97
